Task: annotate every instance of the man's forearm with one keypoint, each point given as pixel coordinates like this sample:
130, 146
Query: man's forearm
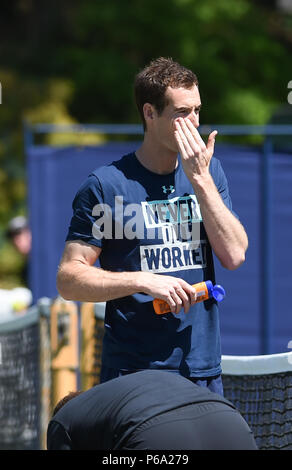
225, 233
80, 282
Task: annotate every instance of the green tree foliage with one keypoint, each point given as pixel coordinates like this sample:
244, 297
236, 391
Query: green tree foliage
70, 62
243, 69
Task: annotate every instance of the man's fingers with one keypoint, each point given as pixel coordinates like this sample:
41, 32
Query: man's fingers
178, 298
175, 291
196, 135
176, 301
192, 144
184, 144
184, 298
211, 141
188, 294
179, 143
189, 290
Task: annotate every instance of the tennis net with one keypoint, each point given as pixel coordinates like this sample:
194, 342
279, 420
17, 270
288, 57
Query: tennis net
261, 389
259, 386
23, 379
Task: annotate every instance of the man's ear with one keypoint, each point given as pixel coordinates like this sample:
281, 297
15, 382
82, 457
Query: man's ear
148, 111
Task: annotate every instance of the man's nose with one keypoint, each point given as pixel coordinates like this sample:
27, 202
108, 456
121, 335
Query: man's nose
194, 117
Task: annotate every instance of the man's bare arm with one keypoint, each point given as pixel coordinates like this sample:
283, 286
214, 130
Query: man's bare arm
79, 280
225, 233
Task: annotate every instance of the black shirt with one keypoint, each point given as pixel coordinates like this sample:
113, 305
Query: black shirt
103, 417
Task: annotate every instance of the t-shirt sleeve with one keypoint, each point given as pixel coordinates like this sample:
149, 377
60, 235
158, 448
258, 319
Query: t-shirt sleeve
222, 184
57, 437
82, 225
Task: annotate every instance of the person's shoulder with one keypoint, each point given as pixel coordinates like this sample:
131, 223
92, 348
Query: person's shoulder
104, 174
115, 167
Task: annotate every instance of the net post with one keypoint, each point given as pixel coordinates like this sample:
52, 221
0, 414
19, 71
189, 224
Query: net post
45, 382
64, 348
92, 329
87, 345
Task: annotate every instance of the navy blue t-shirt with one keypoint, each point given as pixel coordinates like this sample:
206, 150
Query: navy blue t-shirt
148, 222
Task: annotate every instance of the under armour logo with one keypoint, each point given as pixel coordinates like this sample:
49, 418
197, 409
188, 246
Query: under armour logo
168, 190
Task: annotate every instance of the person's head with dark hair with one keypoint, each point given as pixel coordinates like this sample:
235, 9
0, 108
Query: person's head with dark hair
65, 399
153, 81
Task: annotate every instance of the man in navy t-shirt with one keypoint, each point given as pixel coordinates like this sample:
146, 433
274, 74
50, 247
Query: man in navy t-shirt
152, 220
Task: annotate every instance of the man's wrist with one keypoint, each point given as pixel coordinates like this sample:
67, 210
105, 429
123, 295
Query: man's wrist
135, 281
202, 183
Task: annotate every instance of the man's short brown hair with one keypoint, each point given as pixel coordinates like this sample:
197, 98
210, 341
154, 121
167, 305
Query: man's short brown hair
151, 83
64, 400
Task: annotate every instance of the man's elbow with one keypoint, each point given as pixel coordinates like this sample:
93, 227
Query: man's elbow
63, 283
234, 261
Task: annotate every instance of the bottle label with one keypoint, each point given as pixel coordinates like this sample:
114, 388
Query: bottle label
201, 294
202, 291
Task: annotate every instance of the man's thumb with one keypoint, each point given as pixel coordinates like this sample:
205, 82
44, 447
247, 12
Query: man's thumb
211, 141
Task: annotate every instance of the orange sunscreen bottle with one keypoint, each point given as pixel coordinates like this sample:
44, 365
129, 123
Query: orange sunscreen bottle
205, 290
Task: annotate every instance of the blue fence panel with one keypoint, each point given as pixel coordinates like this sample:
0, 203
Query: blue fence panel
240, 311
282, 250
